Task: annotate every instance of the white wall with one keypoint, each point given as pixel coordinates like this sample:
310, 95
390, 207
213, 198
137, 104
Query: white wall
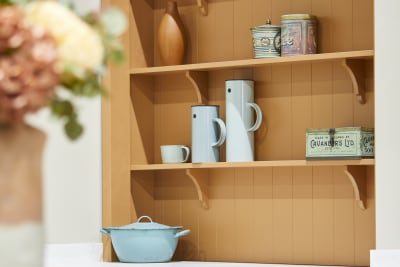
72, 171
387, 123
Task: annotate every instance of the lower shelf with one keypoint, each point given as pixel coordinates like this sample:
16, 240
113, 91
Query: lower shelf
355, 170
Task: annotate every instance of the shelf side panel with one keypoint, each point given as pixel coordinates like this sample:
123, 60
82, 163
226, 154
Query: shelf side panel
117, 206
141, 40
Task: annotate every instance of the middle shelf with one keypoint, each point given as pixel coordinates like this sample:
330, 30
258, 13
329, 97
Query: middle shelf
253, 164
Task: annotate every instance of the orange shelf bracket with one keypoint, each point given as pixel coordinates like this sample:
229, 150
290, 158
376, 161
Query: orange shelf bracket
355, 68
357, 176
199, 178
203, 5
199, 80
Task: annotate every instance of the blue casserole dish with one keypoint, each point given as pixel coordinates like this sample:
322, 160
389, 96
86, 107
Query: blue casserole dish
145, 241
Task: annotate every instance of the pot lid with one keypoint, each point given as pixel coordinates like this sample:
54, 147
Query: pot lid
266, 26
149, 225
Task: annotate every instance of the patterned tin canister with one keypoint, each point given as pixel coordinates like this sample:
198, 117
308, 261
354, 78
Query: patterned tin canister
299, 34
266, 40
340, 143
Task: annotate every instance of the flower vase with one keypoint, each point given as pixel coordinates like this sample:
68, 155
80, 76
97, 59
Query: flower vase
171, 36
21, 228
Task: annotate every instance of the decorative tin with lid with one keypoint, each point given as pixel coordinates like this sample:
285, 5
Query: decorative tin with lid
299, 34
340, 143
266, 40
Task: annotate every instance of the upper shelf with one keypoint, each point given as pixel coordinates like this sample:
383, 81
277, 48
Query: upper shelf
352, 61
251, 63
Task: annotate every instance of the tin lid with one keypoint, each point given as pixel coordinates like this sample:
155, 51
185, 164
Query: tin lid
298, 16
266, 26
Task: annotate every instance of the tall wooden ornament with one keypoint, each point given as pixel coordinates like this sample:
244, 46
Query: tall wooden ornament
171, 36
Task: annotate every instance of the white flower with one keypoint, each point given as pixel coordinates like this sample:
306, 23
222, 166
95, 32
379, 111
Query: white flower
78, 44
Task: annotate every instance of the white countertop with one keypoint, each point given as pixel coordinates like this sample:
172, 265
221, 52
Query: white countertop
90, 255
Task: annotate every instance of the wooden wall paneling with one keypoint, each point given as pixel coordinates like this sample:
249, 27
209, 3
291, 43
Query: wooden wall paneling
364, 114
364, 227
141, 42
280, 7
277, 111
158, 12
343, 218
242, 22
207, 249
282, 202
301, 108
224, 42
263, 215
322, 99
301, 7
173, 104
323, 10
363, 24
262, 77
142, 188
323, 216
207, 35
189, 207
190, 220
261, 11
222, 192
168, 189
343, 98
302, 215
142, 131
341, 20
244, 214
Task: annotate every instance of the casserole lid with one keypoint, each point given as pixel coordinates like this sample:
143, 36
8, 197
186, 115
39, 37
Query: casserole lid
150, 225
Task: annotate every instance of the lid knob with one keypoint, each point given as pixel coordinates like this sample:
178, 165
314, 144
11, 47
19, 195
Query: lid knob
268, 21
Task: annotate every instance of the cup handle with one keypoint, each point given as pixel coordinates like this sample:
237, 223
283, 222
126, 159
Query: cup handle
222, 135
187, 153
257, 123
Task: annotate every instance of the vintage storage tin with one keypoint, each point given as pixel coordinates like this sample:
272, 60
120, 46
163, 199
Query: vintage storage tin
340, 143
298, 34
266, 40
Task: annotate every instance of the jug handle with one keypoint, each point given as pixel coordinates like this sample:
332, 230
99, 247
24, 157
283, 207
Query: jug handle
257, 123
187, 152
222, 135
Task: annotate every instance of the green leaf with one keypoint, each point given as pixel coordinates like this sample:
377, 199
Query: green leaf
61, 108
73, 129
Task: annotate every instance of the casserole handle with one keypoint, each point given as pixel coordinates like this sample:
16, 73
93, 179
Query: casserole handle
182, 233
106, 231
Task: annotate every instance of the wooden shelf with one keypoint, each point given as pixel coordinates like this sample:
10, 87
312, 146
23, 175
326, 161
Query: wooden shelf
352, 61
197, 172
251, 63
253, 164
